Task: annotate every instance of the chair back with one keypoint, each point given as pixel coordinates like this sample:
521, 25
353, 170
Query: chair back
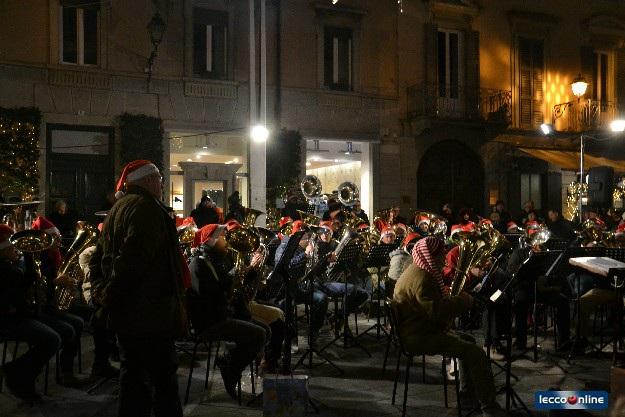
395, 319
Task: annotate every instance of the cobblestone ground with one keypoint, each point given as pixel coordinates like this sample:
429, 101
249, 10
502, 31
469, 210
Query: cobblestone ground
362, 391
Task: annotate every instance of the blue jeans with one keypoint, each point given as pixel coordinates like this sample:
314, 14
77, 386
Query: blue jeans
44, 342
355, 295
319, 306
69, 327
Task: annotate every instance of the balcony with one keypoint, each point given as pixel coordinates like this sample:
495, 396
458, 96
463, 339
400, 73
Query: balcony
584, 115
459, 103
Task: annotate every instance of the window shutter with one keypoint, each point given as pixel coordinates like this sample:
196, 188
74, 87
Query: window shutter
538, 71
472, 78
525, 84
587, 64
620, 80
430, 87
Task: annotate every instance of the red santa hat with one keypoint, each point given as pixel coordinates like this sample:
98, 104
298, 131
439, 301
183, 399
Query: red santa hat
423, 219
41, 223
410, 238
401, 226
469, 227
298, 225
284, 220
387, 231
455, 229
486, 222
5, 234
363, 226
100, 227
512, 227
232, 224
208, 235
620, 230
134, 171
327, 225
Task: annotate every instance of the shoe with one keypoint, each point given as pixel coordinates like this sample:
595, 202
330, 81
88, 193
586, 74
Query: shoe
104, 370
228, 376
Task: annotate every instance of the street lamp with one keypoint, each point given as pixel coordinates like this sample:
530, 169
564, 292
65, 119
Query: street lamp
156, 30
579, 86
259, 133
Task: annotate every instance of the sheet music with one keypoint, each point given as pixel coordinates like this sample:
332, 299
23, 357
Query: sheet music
596, 265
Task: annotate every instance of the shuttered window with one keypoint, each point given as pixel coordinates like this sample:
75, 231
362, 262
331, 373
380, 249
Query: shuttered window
600, 77
210, 43
531, 68
337, 58
449, 74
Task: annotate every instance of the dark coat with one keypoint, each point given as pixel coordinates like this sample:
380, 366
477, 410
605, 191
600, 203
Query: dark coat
14, 287
142, 269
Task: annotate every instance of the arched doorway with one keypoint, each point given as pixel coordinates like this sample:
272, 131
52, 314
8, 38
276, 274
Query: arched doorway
450, 172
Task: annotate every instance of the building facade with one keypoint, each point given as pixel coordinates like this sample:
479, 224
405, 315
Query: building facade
417, 102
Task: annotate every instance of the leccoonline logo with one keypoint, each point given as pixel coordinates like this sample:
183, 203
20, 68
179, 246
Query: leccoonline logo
571, 400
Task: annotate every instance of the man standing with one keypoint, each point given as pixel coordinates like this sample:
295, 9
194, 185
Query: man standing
143, 292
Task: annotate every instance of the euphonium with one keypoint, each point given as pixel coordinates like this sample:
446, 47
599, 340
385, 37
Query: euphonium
242, 241
311, 187
249, 216
309, 219
86, 236
469, 244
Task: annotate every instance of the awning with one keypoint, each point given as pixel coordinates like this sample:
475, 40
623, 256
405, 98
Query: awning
570, 160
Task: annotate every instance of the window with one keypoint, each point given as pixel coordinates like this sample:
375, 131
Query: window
449, 72
79, 35
531, 71
530, 189
337, 59
601, 75
210, 40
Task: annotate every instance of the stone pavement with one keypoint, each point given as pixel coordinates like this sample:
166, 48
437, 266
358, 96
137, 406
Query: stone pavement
363, 391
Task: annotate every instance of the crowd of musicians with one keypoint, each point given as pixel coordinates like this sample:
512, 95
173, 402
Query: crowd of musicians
145, 280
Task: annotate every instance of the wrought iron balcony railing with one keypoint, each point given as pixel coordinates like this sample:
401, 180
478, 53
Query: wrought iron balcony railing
459, 102
584, 115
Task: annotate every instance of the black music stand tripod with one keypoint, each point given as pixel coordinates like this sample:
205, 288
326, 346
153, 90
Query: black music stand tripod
378, 258
312, 349
347, 258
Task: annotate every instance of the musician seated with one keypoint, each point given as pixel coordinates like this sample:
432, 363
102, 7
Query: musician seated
387, 236
209, 308
400, 259
69, 326
355, 296
423, 226
18, 322
546, 294
594, 291
299, 291
426, 310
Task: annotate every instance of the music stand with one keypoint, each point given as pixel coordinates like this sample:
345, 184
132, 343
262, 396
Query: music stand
533, 267
377, 258
345, 263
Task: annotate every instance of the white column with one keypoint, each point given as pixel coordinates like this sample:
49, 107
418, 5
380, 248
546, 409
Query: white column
366, 183
257, 155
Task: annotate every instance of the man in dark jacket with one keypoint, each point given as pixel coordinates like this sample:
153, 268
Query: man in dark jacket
18, 322
143, 292
205, 213
560, 228
211, 314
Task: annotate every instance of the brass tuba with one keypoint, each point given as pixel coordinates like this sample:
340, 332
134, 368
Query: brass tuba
86, 236
249, 216
348, 193
311, 187
31, 242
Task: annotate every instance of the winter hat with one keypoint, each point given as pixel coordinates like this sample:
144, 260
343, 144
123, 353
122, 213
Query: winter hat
100, 227
423, 219
41, 223
5, 234
410, 238
620, 230
208, 235
298, 225
387, 231
284, 220
327, 225
231, 225
512, 227
134, 171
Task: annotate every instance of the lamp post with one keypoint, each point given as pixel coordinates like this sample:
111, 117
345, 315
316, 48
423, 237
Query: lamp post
156, 30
